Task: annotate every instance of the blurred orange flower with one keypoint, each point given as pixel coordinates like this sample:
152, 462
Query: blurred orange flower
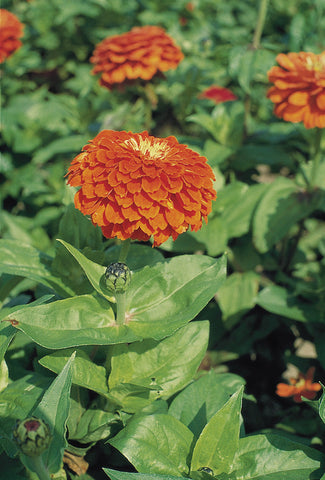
140, 53
218, 94
301, 386
136, 186
299, 88
10, 31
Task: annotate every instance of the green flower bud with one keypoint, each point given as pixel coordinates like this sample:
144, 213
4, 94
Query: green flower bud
32, 436
118, 277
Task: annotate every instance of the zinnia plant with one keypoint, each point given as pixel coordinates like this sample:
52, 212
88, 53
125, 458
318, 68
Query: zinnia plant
139, 54
299, 88
137, 186
302, 386
11, 29
218, 94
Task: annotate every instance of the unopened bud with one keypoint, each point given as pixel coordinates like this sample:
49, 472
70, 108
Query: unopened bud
118, 277
32, 436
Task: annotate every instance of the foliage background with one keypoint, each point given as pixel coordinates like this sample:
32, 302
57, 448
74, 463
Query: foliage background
269, 215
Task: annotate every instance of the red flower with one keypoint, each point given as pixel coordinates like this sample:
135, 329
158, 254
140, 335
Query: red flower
10, 31
301, 386
218, 94
140, 53
299, 88
136, 186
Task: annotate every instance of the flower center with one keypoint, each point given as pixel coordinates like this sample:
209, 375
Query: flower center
146, 147
316, 63
32, 425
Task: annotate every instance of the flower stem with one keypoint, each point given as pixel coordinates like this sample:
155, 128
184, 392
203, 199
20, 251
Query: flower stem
260, 23
39, 468
124, 250
316, 156
120, 307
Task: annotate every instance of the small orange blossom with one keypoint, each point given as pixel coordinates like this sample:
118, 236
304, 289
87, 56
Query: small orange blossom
301, 386
11, 29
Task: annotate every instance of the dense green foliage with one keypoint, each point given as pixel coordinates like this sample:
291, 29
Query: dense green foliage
161, 397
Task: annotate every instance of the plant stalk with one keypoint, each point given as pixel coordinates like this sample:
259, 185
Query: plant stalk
120, 307
260, 24
124, 250
39, 467
317, 151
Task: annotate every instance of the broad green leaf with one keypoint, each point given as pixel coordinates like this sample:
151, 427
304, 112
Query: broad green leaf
7, 333
115, 475
94, 271
321, 405
168, 364
278, 300
155, 444
166, 296
27, 261
54, 409
236, 296
199, 401
218, 443
274, 457
85, 373
4, 377
213, 235
17, 401
272, 220
81, 320
94, 425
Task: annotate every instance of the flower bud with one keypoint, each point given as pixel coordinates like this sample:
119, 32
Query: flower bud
118, 277
32, 436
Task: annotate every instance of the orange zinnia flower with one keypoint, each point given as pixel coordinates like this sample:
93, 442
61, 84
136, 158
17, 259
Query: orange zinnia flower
301, 386
218, 94
140, 53
299, 88
136, 186
10, 31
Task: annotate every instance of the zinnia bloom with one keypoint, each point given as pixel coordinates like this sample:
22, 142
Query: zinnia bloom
299, 88
10, 31
301, 386
140, 53
218, 94
136, 186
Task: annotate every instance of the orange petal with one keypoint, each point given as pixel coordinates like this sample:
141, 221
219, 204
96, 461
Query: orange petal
298, 98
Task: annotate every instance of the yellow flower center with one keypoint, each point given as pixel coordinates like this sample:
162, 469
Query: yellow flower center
146, 147
316, 63
301, 383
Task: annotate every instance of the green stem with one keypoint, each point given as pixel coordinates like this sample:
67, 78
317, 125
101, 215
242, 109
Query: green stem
260, 23
120, 308
316, 156
39, 468
124, 250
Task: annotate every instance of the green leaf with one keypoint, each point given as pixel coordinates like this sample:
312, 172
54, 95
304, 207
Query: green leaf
94, 271
274, 457
27, 261
199, 401
218, 443
321, 405
166, 296
85, 373
237, 296
94, 425
138, 256
155, 444
278, 300
7, 333
81, 320
115, 475
54, 409
169, 365
271, 221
